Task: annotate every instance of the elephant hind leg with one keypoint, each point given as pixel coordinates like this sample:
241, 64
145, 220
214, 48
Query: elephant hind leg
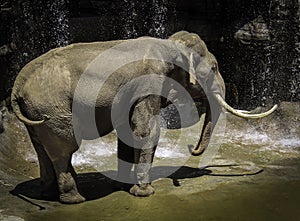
59, 152
47, 172
66, 179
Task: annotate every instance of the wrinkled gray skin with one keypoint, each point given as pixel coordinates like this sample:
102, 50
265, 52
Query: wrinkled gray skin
42, 98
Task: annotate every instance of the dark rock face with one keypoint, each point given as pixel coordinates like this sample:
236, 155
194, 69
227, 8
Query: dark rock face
254, 32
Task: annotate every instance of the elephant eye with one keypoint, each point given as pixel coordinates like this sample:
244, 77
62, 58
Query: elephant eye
214, 68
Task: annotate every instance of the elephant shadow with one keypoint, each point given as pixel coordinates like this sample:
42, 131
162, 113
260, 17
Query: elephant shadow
96, 185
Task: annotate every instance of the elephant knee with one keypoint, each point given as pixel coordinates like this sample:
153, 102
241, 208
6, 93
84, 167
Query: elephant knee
141, 132
140, 127
145, 119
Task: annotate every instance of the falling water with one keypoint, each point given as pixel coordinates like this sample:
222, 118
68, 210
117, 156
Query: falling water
146, 18
129, 18
284, 23
38, 27
59, 19
295, 85
159, 12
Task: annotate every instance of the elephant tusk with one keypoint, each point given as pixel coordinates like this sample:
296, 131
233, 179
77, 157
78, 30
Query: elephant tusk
243, 114
243, 111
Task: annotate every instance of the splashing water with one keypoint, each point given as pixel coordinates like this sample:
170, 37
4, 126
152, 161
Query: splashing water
101, 154
93, 152
265, 142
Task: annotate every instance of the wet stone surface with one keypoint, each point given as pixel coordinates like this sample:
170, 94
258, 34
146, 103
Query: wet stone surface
255, 175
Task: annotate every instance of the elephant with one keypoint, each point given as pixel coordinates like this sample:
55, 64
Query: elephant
47, 98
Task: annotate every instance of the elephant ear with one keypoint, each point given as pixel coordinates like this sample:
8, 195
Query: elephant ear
159, 67
190, 40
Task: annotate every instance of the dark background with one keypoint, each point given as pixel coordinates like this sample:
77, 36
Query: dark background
259, 73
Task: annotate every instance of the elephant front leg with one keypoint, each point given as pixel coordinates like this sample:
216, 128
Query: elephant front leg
145, 126
125, 163
142, 170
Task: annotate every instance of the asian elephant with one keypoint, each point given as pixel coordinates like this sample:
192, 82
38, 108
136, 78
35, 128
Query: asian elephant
47, 90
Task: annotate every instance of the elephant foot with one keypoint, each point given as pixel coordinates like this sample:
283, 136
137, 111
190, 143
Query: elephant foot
142, 190
68, 190
71, 198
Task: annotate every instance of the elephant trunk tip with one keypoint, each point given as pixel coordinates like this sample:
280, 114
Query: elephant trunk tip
198, 151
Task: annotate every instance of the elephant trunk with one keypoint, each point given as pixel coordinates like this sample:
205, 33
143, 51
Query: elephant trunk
197, 93
204, 140
206, 133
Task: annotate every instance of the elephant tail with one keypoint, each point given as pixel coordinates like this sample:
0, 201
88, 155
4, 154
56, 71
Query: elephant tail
21, 117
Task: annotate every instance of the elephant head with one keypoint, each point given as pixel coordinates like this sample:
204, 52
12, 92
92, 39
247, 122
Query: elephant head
209, 86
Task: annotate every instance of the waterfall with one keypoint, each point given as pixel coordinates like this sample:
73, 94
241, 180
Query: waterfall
284, 23
59, 19
38, 27
150, 18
